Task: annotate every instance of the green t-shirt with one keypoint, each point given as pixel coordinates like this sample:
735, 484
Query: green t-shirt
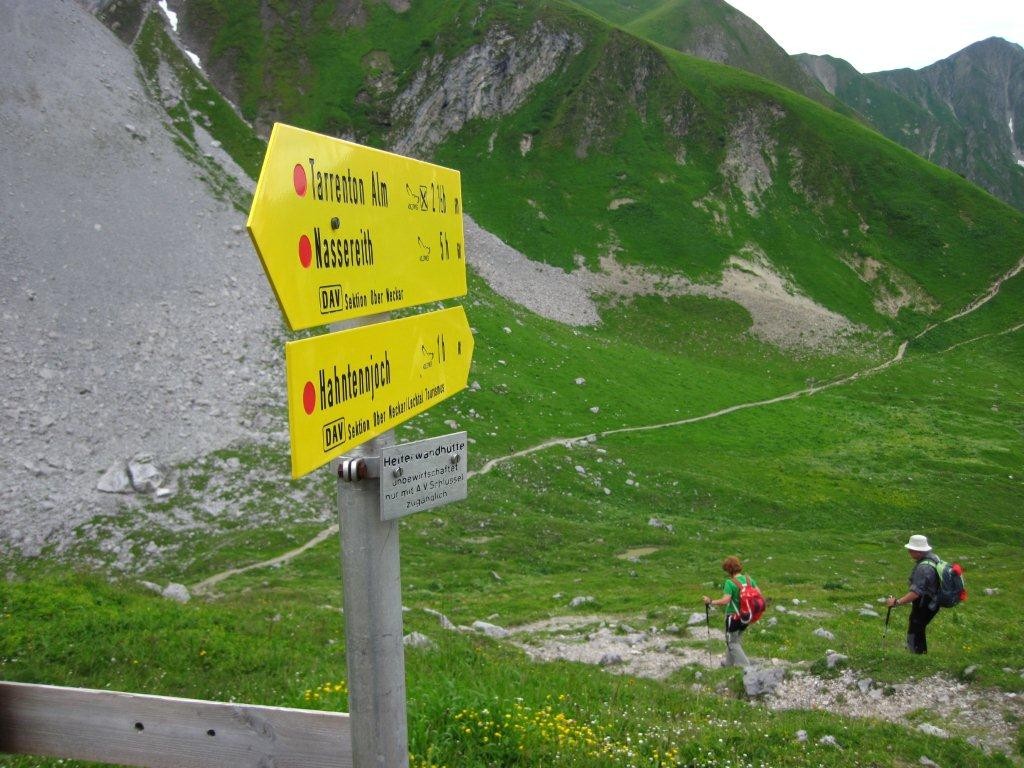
733, 591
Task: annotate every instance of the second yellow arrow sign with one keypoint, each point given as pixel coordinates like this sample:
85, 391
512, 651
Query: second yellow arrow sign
347, 387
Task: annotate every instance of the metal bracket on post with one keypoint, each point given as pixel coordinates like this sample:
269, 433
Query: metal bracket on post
351, 469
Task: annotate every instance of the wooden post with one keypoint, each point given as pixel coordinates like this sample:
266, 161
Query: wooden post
164, 732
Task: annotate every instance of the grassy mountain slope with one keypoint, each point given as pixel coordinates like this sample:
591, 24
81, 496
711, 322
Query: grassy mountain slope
715, 31
709, 159
895, 116
815, 494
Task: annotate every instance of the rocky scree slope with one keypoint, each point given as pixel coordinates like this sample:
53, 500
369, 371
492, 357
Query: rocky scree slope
134, 318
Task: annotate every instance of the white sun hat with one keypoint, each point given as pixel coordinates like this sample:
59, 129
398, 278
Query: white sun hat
918, 543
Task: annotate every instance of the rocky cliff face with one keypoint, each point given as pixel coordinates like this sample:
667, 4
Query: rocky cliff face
490, 79
965, 112
982, 88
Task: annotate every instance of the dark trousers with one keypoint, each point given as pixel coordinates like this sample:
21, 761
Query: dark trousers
920, 615
733, 624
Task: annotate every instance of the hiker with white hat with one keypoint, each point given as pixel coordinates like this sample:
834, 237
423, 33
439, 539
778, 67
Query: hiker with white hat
922, 594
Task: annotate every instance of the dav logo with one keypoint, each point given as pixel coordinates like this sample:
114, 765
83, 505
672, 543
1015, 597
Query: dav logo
330, 299
333, 434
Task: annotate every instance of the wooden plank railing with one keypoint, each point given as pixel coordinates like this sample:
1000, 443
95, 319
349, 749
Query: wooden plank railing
162, 732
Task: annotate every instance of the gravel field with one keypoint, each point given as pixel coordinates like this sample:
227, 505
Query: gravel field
134, 315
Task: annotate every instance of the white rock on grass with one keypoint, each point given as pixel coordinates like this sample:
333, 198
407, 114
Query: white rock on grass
491, 630
418, 640
576, 602
822, 632
933, 730
833, 659
177, 592
445, 623
696, 618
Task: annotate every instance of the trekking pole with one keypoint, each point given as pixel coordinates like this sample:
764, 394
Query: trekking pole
885, 632
707, 617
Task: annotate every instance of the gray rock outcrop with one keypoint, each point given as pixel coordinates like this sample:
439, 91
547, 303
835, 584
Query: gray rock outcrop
491, 78
759, 682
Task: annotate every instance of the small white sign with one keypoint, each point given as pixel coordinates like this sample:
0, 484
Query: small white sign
423, 475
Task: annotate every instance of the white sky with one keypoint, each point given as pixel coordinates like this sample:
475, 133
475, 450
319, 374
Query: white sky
876, 35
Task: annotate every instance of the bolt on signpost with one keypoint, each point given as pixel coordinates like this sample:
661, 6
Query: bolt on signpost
346, 234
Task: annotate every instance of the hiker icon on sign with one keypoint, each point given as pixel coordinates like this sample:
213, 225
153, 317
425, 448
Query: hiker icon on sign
428, 357
418, 200
425, 255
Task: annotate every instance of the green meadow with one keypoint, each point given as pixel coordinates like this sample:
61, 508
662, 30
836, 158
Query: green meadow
813, 468
816, 494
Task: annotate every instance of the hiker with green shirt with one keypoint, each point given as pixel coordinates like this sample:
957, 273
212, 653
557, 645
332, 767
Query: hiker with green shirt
734, 626
922, 595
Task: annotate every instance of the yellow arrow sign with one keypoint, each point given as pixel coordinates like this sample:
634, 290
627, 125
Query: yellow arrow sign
347, 387
345, 231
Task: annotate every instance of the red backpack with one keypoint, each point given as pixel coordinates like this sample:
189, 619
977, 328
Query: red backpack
752, 603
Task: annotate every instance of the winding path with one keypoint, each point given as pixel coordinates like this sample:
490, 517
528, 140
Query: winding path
205, 585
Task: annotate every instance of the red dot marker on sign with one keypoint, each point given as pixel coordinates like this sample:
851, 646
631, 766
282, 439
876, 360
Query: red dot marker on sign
305, 252
299, 179
309, 398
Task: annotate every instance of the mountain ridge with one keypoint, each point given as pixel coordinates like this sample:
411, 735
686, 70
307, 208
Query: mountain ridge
959, 112
936, 111
715, 31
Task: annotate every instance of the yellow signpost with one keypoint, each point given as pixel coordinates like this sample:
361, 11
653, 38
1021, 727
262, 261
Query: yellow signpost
347, 387
345, 231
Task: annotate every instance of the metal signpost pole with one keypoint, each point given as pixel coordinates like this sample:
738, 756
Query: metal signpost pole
373, 621
371, 578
